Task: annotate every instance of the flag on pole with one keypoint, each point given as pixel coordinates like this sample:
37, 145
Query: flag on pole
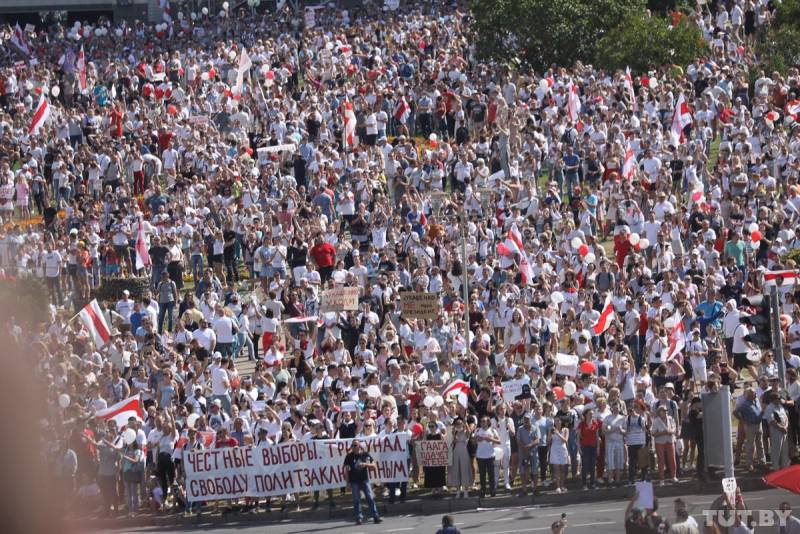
95, 322
402, 110
142, 255
788, 278
349, 117
681, 118
18, 39
122, 411
81, 64
460, 388
629, 89
525, 269
677, 338
573, 103
606, 317
629, 165
40, 116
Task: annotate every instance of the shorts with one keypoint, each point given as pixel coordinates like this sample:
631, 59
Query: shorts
740, 361
529, 464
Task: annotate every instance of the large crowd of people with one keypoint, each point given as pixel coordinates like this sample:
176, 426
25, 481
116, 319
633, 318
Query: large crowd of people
245, 163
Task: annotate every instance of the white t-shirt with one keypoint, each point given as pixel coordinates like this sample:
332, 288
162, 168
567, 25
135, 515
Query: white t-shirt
223, 328
219, 380
52, 264
485, 448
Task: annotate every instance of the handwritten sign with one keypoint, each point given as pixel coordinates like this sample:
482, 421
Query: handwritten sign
419, 305
433, 453
566, 364
339, 299
516, 390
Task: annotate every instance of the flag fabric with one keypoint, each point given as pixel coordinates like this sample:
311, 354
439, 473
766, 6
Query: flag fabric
122, 411
787, 478
244, 65
790, 278
629, 89
525, 269
681, 118
349, 117
793, 109
142, 254
402, 110
515, 236
677, 339
81, 64
18, 39
629, 165
460, 388
95, 322
573, 103
606, 317
40, 116
508, 248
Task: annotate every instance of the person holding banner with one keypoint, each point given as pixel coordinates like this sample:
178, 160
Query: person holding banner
356, 465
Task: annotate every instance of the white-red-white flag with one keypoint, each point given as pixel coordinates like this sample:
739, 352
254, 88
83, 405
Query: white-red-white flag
40, 116
94, 321
681, 118
122, 411
81, 64
402, 110
788, 278
525, 269
349, 118
142, 254
629, 89
18, 39
508, 247
606, 317
677, 338
793, 109
460, 388
573, 103
629, 165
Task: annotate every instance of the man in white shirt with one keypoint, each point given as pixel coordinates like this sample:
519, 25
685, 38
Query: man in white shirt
225, 331
52, 272
220, 384
124, 307
205, 336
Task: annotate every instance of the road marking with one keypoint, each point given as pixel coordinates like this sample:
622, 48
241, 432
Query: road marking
593, 511
400, 529
503, 519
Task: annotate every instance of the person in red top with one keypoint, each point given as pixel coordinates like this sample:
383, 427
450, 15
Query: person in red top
224, 440
588, 430
324, 255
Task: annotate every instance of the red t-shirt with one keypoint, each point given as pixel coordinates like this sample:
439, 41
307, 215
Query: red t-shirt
588, 433
324, 255
224, 443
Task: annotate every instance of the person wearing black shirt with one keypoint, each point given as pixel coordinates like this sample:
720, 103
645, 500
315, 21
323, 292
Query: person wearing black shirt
229, 254
158, 256
296, 257
356, 465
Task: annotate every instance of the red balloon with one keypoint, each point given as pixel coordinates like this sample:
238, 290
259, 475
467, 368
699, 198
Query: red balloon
159, 93
249, 151
588, 368
147, 89
172, 110
583, 250
212, 72
755, 236
559, 392
416, 430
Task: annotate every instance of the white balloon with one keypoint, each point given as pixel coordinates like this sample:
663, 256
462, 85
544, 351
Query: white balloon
669, 323
222, 14
634, 238
205, 11
64, 400
191, 420
193, 15
543, 85
225, 6
129, 436
653, 83
557, 297
373, 391
118, 32
576, 242
428, 402
55, 90
570, 388
644, 243
105, 32
98, 32
438, 400
204, 76
753, 227
231, 55
433, 137
590, 258
77, 24
180, 15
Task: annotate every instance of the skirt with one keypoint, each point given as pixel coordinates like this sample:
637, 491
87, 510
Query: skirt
435, 477
559, 454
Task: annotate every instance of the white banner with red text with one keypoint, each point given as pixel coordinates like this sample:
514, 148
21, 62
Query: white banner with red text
236, 472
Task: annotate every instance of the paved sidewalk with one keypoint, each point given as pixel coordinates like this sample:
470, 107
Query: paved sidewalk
424, 505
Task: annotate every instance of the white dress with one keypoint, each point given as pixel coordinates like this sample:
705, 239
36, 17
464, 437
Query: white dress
558, 450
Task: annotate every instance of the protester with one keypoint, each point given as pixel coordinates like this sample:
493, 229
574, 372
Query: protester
356, 464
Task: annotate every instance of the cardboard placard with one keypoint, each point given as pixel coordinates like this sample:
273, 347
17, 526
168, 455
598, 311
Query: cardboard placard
419, 305
566, 364
339, 299
434, 453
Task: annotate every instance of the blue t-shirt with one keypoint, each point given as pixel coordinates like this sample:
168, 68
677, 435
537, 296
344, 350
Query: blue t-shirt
571, 161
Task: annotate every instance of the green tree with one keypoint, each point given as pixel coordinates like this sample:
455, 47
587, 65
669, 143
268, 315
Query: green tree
542, 32
780, 48
643, 41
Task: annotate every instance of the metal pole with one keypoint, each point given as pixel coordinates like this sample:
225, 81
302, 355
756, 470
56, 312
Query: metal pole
777, 341
464, 281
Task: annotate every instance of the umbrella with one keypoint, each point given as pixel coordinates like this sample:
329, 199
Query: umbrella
788, 478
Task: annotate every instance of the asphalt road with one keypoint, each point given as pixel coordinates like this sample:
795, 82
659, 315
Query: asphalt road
601, 517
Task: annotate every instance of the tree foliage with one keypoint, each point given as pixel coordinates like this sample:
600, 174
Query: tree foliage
542, 32
780, 48
643, 41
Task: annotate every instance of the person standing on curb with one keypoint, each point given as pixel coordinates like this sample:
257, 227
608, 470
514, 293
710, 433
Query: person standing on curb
356, 464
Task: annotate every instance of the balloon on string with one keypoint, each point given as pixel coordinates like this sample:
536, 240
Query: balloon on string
417, 429
576, 242
557, 297
129, 436
570, 388
634, 238
753, 227
588, 368
696, 196
590, 258
192, 419
193, 16
118, 32
438, 401
543, 85
204, 76
172, 110
583, 250
55, 91
204, 11
558, 392
755, 236
429, 402
652, 82
644, 243
180, 15
64, 400
225, 6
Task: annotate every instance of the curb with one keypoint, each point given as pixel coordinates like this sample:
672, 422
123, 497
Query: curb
420, 506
